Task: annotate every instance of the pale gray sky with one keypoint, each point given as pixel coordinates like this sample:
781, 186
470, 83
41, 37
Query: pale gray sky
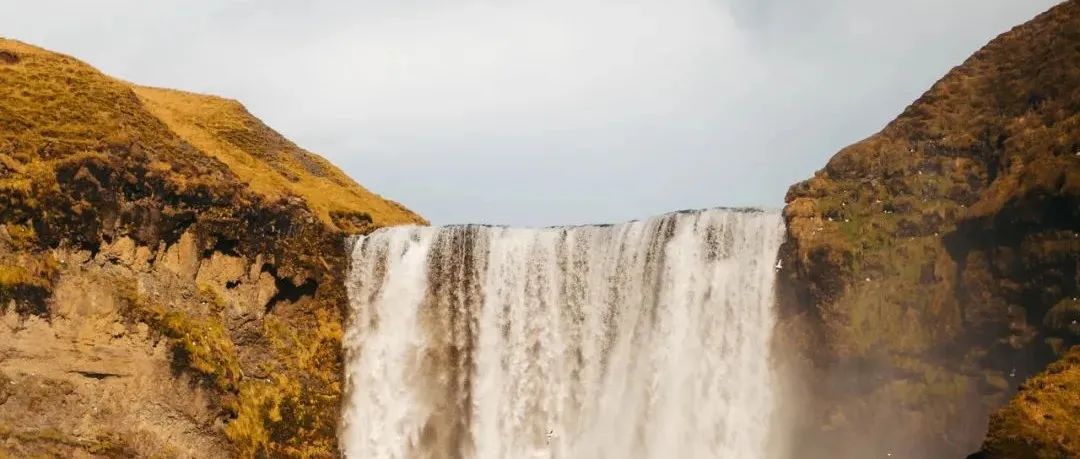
543, 112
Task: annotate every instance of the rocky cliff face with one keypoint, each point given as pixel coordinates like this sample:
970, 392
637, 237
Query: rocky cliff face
169, 271
933, 267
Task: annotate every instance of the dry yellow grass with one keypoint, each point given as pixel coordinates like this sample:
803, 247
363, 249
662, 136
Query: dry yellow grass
55, 106
86, 158
267, 162
1044, 417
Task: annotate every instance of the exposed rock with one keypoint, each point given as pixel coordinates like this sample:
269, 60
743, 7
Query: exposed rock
83, 382
221, 271
182, 258
121, 251
926, 262
170, 272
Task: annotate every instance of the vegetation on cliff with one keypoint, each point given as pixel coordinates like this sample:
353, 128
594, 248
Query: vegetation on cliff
931, 265
1043, 420
206, 226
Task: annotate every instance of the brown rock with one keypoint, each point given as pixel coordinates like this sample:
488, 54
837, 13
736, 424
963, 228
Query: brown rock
951, 238
132, 322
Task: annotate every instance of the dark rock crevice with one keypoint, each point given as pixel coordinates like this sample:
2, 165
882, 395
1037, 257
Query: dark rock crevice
288, 289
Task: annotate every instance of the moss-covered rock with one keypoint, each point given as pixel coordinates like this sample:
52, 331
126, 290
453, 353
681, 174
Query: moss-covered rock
199, 228
1043, 419
929, 269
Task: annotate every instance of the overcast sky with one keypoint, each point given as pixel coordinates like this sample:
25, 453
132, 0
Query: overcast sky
543, 112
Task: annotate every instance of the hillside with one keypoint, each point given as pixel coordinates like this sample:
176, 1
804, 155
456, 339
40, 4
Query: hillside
934, 266
169, 271
1043, 420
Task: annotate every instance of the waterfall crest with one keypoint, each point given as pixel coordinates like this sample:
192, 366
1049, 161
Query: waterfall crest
648, 339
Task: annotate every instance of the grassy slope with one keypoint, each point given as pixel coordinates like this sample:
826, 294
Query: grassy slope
267, 162
48, 118
86, 159
1043, 420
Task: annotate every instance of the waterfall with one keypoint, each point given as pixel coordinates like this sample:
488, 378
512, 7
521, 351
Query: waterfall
648, 339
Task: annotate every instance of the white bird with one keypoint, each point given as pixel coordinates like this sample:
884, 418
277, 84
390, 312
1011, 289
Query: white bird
779, 265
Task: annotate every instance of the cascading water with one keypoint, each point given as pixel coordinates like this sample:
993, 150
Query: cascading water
647, 339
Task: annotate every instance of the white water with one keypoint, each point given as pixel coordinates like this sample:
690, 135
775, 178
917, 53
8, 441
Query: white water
648, 339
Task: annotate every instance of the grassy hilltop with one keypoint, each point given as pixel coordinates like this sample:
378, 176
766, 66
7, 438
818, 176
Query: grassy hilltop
170, 271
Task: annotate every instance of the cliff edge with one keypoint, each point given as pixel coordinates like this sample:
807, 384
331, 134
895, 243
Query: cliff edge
169, 271
934, 266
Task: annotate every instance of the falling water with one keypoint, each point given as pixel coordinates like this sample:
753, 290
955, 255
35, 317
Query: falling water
647, 339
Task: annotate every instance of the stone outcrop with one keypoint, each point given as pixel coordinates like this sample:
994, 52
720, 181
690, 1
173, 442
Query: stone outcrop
933, 267
170, 272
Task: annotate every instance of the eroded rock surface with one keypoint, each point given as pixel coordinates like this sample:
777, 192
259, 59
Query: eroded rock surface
169, 272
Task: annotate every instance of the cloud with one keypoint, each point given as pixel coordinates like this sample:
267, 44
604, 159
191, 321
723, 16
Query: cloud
544, 112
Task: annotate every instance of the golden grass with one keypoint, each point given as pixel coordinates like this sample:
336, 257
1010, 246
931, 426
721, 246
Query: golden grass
56, 107
268, 163
269, 410
278, 415
1043, 419
72, 139
14, 275
202, 342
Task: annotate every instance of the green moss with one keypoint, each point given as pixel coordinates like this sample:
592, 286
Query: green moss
200, 343
213, 297
958, 219
203, 343
277, 415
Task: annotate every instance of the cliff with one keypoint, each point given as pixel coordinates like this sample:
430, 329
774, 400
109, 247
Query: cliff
170, 271
934, 266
